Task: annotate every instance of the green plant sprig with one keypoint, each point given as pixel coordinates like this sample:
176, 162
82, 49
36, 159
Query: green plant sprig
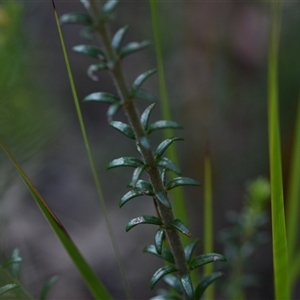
152, 162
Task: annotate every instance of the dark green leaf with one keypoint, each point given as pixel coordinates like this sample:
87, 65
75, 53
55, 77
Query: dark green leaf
89, 50
145, 142
161, 197
112, 110
163, 124
161, 272
168, 164
87, 33
78, 18
47, 287
16, 265
144, 186
161, 148
145, 116
109, 6
165, 253
102, 97
165, 297
123, 128
173, 282
177, 224
94, 68
180, 181
8, 287
133, 47
118, 38
205, 259
189, 249
141, 78
208, 280
163, 176
143, 94
143, 220
136, 175
159, 239
130, 195
187, 285
125, 162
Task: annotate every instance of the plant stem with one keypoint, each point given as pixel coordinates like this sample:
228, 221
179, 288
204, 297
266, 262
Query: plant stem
132, 114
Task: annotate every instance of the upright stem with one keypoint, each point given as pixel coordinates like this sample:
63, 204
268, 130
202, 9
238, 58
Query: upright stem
132, 114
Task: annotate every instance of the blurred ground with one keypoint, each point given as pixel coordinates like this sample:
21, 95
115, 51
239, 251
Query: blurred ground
216, 68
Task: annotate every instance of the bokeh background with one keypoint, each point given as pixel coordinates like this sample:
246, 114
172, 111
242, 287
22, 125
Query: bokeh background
215, 57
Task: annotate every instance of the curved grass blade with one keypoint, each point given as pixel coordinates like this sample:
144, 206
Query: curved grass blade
280, 254
48, 287
90, 156
95, 286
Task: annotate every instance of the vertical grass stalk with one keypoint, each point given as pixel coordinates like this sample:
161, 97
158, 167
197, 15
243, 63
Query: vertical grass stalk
91, 159
279, 240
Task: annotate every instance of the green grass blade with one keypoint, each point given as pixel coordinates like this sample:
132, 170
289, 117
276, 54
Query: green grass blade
91, 159
280, 255
92, 281
208, 220
177, 195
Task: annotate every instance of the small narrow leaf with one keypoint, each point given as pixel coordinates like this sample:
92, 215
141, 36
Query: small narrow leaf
8, 287
47, 287
109, 6
112, 110
136, 175
208, 280
177, 224
145, 95
118, 38
189, 249
143, 220
141, 78
123, 128
161, 148
165, 254
180, 181
145, 186
87, 33
168, 164
163, 124
165, 297
130, 195
161, 197
145, 142
133, 47
102, 97
145, 116
89, 50
94, 68
173, 282
125, 162
160, 273
163, 176
205, 259
159, 239
77, 18
187, 285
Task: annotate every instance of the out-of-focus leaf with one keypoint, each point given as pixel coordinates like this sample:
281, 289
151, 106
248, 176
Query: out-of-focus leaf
89, 50
141, 78
94, 68
109, 6
160, 273
189, 249
102, 97
123, 128
143, 94
163, 124
47, 287
161, 197
145, 116
87, 32
143, 220
168, 164
118, 38
187, 285
145, 142
161, 148
125, 162
77, 18
7, 288
173, 282
205, 259
165, 297
177, 224
159, 239
112, 110
133, 47
180, 181
208, 280
165, 253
